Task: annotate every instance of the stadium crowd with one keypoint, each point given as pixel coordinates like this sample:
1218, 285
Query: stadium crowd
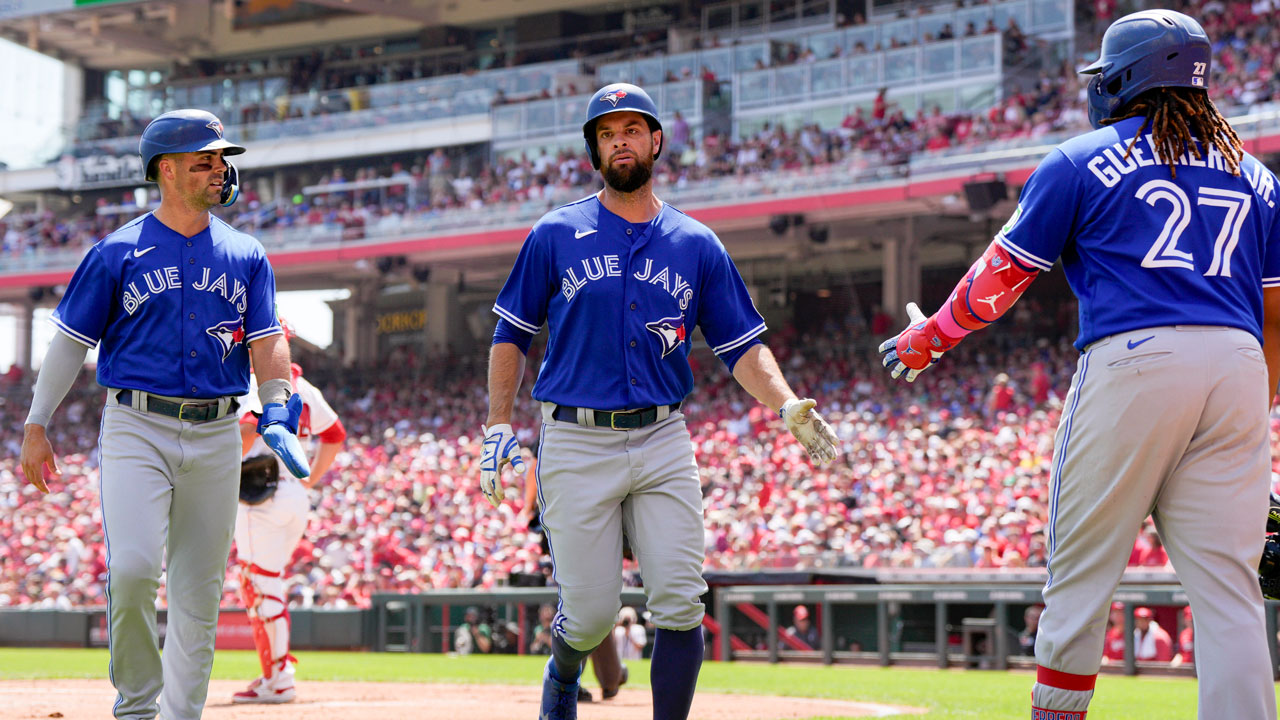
950, 472
1246, 74
876, 139
441, 182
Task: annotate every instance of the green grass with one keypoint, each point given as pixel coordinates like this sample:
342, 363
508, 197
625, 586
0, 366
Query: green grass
949, 694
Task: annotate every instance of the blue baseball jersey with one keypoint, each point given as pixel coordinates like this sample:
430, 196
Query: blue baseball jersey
621, 300
174, 314
1142, 249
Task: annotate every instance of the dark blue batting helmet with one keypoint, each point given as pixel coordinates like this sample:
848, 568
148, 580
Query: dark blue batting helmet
1148, 49
618, 97
186, 131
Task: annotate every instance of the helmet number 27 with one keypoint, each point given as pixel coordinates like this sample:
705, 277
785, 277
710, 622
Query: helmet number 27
1165, 253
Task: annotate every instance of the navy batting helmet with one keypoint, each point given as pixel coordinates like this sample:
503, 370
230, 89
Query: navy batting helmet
1148, 49
618, 97
185, 131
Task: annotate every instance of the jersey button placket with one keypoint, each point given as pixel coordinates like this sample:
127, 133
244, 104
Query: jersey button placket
628, 277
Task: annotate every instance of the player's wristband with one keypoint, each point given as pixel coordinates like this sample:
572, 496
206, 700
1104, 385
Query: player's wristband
275, 391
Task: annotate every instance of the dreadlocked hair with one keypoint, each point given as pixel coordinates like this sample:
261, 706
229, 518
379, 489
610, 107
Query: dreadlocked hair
1177, 116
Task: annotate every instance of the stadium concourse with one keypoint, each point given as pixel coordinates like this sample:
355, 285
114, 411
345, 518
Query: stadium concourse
950, 472
1246, 78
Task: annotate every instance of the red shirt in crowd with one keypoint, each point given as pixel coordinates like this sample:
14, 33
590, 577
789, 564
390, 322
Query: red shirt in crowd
1187, 645
1113, 645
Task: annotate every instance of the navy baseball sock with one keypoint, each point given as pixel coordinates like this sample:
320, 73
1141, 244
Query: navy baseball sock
677, 657
567, 665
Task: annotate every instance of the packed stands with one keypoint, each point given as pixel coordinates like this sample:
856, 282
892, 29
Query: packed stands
952, 471
398, 195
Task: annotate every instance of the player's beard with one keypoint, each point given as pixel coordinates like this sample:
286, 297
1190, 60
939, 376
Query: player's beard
198, 197
628, 179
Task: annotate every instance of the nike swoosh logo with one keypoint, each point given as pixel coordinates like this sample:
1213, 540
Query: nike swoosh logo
1135, 343
579, 234
140, 253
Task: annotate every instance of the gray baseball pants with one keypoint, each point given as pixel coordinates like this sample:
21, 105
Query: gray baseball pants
1171, 422
595, 482
169, 492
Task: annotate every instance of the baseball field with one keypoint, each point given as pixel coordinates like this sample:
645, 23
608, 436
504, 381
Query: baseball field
71, 684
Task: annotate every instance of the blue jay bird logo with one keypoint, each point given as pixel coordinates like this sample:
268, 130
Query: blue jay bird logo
613, 97
670, 331
215, 126
229, 334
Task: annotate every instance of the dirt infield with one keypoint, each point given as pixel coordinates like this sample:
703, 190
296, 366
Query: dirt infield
91, 700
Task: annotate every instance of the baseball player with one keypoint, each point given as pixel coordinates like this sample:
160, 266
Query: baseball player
179, 303
1168, 235
622, 278
269, 523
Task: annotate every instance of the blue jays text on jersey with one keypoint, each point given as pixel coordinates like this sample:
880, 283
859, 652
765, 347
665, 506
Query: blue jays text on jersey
174, 314
621, 298
1143, 249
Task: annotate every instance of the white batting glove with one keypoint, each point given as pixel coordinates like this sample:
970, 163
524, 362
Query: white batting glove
500, 448
813, 432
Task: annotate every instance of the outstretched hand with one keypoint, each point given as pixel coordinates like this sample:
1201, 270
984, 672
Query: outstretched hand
907, 354
813, 432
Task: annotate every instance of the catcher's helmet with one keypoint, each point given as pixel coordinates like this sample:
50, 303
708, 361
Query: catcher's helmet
618, 97
185, 131
1148, 49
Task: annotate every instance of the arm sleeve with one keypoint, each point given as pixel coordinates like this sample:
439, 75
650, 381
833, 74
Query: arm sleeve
1046, 217
507, 332
524, 297
62, 362
728, 318
260, 319
85, 308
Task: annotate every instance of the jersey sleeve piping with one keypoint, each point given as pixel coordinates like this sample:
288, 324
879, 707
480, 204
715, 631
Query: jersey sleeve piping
744, 338
73, 334
265, 332
1271, 282
510, 317
1026, 257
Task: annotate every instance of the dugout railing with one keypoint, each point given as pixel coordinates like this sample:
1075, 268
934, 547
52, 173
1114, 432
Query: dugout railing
972, 626
426, 622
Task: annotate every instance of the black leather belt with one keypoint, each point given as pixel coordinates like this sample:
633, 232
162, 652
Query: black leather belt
187, 411
620, 420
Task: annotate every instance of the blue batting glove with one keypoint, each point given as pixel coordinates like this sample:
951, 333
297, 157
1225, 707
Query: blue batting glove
278, 427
